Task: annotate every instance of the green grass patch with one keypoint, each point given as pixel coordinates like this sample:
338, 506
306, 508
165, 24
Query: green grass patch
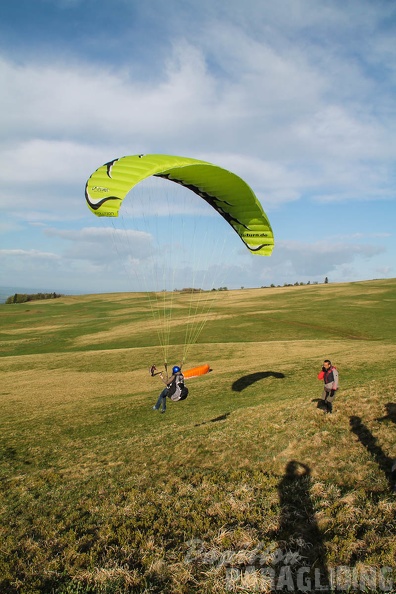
100, 494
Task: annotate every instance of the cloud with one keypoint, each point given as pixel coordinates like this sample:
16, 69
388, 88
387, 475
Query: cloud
35, 255
312, 261
104, 245
295, 98
38, 161
64, 120
10, 227
25, 267
102, 105
98, 260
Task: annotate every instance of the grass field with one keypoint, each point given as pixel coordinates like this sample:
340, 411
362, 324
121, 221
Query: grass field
236, 489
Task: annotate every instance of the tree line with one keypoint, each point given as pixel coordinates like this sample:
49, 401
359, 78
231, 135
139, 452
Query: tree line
25, 297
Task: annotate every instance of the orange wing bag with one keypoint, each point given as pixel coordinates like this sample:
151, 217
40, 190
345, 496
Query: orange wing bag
196, 371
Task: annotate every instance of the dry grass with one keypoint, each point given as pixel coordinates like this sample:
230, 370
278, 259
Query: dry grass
99, 494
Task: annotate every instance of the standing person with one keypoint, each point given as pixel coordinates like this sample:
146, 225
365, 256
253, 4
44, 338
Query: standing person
174, 388
329, 374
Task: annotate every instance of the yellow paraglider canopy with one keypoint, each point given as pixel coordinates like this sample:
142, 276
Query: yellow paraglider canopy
227, 193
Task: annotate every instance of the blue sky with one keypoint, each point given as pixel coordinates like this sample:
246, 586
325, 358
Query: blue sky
297, 97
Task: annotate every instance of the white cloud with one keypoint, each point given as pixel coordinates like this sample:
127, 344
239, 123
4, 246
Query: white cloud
311, 261
29, 254
38, 161
274, 107
26, 268
295, 97
104, 244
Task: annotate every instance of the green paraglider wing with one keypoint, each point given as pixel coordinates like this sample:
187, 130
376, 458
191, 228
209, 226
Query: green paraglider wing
227, 193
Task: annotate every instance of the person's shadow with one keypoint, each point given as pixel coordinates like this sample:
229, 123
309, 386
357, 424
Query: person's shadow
320, 403
247, 380
215, 420
390, 408
368, 440
300, 541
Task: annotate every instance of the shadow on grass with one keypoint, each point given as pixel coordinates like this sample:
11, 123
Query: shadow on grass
319, 403
8, 453
368, 440
300, 541
215, 420
390, 408
247, 380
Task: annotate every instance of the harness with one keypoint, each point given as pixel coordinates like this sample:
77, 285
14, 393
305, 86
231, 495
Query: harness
328, 376
176, 389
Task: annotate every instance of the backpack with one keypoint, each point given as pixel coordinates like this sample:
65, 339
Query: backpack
176, 389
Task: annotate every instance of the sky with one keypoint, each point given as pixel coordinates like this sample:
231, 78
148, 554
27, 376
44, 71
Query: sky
297, 97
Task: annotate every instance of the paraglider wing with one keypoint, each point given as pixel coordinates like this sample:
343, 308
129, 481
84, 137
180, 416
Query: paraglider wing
227, 193
196, 371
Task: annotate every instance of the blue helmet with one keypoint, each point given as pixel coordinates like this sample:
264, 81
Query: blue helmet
175, 369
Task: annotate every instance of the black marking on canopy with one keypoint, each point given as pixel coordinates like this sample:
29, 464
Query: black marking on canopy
257, 248
97, 205
212, 200
109, 166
